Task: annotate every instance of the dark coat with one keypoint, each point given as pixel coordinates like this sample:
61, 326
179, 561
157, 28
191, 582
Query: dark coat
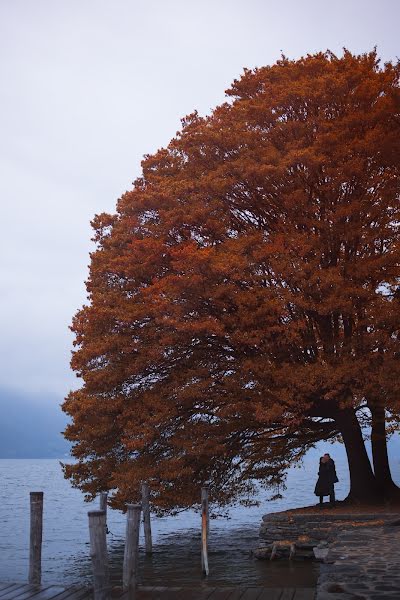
326, 478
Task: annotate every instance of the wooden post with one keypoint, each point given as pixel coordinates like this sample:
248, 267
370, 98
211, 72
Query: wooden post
273, 551
204, 497
130, 568
99, 555
292, 552
146, 518
103, 505
36, 534
204, 530
103, 502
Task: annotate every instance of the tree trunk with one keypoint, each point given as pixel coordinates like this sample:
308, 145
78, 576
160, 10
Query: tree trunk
363, 485
380, 457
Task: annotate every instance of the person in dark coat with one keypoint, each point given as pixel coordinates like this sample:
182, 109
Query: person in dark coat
326, 480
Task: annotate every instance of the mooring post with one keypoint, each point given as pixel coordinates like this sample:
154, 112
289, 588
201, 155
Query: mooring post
273, 551
204, 530
131, 554
99, 555
103, 505
36, 534
146, 518
292, 552
103, 502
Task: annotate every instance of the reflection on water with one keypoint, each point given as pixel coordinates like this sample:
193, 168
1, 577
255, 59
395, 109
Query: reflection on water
176, 561
176, 558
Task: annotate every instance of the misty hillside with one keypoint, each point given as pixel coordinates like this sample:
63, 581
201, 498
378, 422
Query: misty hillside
30, 427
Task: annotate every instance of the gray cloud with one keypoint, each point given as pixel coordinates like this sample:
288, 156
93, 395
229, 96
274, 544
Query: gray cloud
88, 87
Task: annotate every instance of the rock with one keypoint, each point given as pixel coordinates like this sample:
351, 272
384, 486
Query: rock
320, 553
262, 553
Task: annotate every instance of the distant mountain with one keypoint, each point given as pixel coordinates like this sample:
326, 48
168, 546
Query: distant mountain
30, 427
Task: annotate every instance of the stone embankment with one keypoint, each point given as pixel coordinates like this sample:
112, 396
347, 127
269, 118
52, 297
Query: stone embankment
362, 564
308, 535
359, 551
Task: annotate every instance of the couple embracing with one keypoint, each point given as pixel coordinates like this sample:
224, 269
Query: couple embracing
326, 480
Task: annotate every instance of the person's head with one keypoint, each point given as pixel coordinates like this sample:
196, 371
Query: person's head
326, 457
321, 460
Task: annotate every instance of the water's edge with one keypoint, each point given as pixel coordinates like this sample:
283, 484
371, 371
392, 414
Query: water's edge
176, 558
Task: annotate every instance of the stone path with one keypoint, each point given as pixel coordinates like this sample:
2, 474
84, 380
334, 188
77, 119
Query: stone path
362, 564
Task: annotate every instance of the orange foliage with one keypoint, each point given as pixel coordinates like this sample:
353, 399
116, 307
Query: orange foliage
244, 293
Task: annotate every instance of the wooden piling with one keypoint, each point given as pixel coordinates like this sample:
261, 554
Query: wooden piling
36, 534
292, 552
273, 551
204, 497
130, 566
103, 502
103, 506
204, 530
99, 555
146, 518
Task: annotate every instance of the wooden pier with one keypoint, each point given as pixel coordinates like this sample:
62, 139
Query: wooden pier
22, 591
130, 589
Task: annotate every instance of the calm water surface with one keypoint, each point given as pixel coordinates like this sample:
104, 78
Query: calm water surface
176, 540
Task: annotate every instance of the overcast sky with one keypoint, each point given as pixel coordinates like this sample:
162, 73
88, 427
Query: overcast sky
87, 88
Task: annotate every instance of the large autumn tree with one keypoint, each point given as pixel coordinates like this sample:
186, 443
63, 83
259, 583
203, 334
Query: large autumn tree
243, 299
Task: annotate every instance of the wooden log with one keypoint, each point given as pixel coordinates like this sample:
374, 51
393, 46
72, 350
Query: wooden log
204, 530
99, 555
273, 551
36, 534
131, 553
146, 518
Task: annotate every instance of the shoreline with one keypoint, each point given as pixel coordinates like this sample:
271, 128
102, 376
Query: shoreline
357, 547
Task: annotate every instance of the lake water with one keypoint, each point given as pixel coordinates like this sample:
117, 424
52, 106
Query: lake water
176, 540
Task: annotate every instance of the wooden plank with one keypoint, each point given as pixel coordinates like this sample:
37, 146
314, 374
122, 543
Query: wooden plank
157, 593
237, 593
44, 593
273, 594
7, 586
21, 591
304, 594
225, 593
198, 593
287, 594
61, 593
13, 586
75, 593
142, 595
145, 593
184, 593
252, 593
28, 591
171, 593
